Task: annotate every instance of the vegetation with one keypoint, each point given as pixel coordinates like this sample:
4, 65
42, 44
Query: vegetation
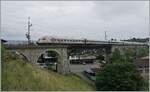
141, 52
121, 74
146, 79
129, 54
18, 75
116, 56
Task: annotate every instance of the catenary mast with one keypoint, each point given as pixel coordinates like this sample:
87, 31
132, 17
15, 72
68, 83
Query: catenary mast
28, 35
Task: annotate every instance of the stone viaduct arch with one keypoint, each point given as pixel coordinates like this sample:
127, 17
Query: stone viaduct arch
33, 55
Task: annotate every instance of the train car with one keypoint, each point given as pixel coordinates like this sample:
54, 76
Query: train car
54, 40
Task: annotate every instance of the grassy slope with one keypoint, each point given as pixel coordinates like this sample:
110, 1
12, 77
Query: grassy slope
18, 75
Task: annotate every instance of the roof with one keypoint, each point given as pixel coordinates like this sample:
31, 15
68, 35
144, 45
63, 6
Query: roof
2, 40
87, 57
83, 57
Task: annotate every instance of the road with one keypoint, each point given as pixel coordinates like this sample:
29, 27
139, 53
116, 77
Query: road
77, 68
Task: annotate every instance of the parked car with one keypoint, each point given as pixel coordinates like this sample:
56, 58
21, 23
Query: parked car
90, 74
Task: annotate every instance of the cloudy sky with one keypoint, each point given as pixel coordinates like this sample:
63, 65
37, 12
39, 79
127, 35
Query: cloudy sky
75, 19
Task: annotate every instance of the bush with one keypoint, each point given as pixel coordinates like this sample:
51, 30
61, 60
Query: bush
119, 76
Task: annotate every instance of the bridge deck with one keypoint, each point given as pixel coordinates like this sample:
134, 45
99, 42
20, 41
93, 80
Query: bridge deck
73, 45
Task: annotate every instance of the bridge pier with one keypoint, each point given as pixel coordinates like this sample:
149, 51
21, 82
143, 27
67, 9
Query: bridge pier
63, 65
107, 54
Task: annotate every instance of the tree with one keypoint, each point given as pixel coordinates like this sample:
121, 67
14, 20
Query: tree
119, 76
116, 56
141, 52
129, 54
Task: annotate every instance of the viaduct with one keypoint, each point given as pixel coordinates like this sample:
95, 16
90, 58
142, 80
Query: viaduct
33, 52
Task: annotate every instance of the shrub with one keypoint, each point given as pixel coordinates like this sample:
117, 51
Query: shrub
119, 76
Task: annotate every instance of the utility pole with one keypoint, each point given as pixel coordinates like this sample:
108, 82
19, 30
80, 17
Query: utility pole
28, 36
105, 35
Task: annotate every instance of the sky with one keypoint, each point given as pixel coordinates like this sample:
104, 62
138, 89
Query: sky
75, 19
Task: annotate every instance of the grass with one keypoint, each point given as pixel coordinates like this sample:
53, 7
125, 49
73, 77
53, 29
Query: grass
17, 75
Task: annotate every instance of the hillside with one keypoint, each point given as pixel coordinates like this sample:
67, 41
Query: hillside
19, 75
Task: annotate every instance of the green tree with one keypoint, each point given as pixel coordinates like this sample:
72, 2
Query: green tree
119, 76
141, 52
129, 54
116, 56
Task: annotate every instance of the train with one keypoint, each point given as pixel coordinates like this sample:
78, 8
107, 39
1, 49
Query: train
56, 40
50, 39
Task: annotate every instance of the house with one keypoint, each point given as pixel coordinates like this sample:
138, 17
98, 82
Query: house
3, 41
143, 65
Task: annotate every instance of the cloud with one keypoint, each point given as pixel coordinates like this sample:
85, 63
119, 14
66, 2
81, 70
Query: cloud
77, 19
